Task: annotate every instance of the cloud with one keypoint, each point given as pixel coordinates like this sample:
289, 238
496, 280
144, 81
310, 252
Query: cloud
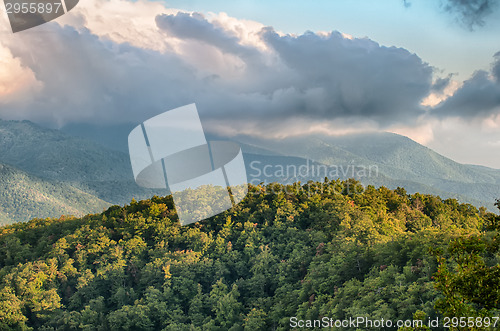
479, 96
236, 71
17, 82
471, 12
196, 27
354, 77
467, 140
496, 67
441, 89
122, 21
441, 83
194, 30
86, 79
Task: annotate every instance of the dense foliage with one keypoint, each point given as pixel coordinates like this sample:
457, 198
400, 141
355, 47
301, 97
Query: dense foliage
331, 249
24, 196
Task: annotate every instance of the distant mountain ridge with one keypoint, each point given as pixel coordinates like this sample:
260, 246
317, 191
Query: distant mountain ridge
52, 154
104, 175
400, 162
57, 156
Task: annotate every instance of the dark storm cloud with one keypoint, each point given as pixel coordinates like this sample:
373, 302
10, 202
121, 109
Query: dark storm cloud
357, 77
313, 77
471, 12
327, 78
478, 97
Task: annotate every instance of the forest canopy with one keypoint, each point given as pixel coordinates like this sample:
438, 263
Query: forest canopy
333, 249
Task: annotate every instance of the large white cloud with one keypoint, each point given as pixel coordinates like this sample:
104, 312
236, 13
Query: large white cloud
121, 21
88, 79
17, 82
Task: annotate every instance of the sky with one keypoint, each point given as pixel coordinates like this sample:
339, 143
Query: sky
429, 70
425, 27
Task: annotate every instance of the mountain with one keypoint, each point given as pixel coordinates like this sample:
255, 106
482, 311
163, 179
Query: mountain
395, 160
24, 197
53, 155
417, 161
379, 159
113, 136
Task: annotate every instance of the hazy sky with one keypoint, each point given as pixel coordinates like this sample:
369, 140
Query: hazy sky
425, 69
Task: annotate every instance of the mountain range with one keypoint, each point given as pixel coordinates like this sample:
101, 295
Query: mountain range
395, 161
49, 161
76, 171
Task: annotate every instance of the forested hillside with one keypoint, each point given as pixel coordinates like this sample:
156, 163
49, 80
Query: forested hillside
24, 196
56, 158
331, 249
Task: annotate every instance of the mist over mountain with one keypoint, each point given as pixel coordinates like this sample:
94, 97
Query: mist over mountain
113, 137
